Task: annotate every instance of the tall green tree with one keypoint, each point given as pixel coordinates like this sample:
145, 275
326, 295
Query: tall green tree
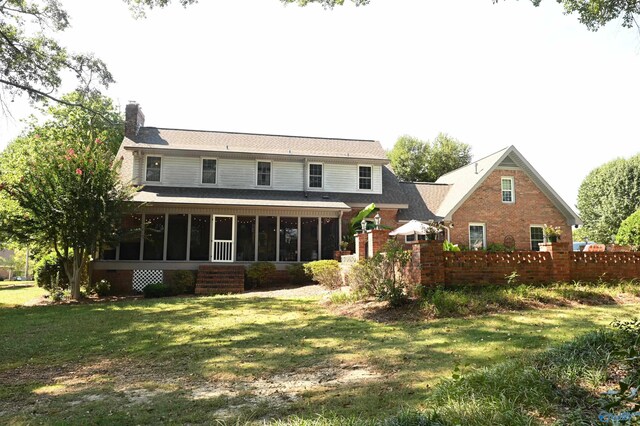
629, 231
60, 186
607, 196
101, 119
409, 158
415, 160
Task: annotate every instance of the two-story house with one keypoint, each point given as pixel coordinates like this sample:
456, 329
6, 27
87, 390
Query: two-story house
237, 197
224, 198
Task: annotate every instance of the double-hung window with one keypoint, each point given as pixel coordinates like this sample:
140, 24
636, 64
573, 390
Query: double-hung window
264, 173
364, 177
315, 175
537, 237
209, 166
508, 193
154, 166
477, 236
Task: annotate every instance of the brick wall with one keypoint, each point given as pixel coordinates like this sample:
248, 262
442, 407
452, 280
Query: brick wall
531, 207
555, 262
121, 280
387, 216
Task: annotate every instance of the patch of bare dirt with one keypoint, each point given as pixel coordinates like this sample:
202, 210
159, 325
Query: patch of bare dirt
137, 384
289, 292
375, 310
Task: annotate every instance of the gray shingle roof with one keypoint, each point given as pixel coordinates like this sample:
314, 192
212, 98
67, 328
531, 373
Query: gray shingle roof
249, 143
424, 200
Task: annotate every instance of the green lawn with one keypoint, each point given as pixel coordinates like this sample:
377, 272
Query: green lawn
16, 293
194, 360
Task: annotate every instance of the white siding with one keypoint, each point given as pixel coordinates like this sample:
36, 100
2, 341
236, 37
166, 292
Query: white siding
236, 173
287, 176
344, 178
241, 173
180, 170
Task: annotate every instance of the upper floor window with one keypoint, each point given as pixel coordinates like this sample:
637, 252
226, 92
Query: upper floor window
315, 175
537, 237
364, 177
154, 166
209, 166
264, 173
508, 194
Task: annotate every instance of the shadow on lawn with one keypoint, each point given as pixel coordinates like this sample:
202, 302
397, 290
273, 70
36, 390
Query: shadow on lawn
227, 339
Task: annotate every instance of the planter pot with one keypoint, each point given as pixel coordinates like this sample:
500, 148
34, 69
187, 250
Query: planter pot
552, 239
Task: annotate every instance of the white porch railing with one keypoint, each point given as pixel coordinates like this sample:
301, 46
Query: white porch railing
222, 251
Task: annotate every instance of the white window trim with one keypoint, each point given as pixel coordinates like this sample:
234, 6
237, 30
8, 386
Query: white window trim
309, 176
484, 234
161, 167
406, 241
513, 189
358, 177
216, 175
270, 174
530, 240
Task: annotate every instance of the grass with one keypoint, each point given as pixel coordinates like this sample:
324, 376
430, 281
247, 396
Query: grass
197, 360
16, 293
465, 301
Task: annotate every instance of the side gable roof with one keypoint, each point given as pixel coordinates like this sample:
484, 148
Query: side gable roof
424, 198
250, 143
465, 180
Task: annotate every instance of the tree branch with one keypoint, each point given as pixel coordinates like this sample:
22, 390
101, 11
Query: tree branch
37, 92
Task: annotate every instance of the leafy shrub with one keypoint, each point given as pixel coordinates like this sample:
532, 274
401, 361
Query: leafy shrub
498, 248
297, 274
629, 231
49, 273
157, 290
261, 273
325, 272
57, 295
448, 246
182, 282
383, 275
102, 288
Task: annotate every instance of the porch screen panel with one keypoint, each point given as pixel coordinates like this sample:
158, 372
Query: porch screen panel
245, 239
267, 238
330, 237
153, 237
309, 238
177, 237
200, 237
288, 239
130, 243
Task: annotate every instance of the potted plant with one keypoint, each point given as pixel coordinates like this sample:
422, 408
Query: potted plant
551, 233
344, 245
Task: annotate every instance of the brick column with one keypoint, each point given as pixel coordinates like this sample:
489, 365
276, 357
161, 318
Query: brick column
560, 255
361, 242
380, 238
431, 263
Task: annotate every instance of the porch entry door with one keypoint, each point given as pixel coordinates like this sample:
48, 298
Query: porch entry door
223, 230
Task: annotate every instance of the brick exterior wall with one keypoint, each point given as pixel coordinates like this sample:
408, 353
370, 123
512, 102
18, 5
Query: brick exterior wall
531, 207
388, 218
555, 262
121, 280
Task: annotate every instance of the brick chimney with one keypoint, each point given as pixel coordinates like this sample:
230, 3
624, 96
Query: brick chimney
133, 119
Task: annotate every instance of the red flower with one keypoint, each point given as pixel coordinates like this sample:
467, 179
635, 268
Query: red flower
79, 171
98, 141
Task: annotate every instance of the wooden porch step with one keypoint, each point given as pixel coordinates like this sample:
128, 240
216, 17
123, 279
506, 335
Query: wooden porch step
220, 279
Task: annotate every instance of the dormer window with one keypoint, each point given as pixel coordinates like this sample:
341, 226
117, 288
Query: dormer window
154, 166
264, 173
315, 175
209, 166
508, 194
364, 177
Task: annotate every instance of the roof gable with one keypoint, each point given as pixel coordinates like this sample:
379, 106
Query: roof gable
465, 180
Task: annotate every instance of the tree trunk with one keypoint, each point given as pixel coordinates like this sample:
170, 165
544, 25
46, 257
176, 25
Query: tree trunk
73, 268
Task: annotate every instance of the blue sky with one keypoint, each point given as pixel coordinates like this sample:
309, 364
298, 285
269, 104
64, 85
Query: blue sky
489, 75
